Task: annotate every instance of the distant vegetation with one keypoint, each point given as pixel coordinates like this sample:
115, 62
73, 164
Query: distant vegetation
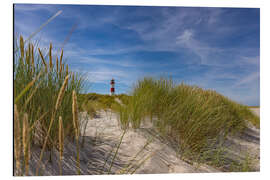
254, 106
93, 102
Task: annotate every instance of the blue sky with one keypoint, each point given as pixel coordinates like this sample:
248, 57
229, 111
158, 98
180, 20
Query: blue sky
214, 48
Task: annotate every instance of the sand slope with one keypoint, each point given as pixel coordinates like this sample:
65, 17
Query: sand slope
103, 134
161, 157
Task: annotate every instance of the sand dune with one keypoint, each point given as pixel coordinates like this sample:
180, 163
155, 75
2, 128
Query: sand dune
103, 135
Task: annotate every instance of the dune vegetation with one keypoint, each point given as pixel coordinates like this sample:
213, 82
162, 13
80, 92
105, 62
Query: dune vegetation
197, 120
93, 102
48, 98
45, 102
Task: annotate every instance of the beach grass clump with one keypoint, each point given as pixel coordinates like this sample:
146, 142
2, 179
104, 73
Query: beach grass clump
43, 91
190, 115
42, 96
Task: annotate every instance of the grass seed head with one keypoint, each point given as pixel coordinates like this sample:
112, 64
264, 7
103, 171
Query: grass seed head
25, 133
17, 139
28, 55
66, 70
61, 93
32, 59
50, 56
61, 137
57, 68
22, 47
26, 143
75, 113
61, 57
43, 60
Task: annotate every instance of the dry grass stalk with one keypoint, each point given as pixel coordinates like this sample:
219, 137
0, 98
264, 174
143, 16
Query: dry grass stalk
61, 93
28, 153
72, 77
61, 62
61, 69
43, 60
57, 68
17, 140
61, 142
76, 127
61, 57
61, 65
117, 149
32, 94
26, 143
143, 161
50, 56
28, 86
66, 70
61, 137
58, 102
32, 55
32, 58
28, 54
22, 47
75, 113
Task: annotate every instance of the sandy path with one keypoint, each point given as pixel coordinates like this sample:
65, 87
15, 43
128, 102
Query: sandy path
163, 158
103, 134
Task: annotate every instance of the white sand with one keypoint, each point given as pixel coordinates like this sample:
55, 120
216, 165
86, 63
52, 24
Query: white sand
256, 111
103, 135
163, 157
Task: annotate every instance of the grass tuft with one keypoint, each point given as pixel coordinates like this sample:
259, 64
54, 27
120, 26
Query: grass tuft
191, 116
41, 96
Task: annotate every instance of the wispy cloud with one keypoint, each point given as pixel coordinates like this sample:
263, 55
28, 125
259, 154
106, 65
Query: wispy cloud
203, 50
251, 78
215, 48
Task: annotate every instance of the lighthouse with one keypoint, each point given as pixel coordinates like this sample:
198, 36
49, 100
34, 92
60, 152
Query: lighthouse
112, 87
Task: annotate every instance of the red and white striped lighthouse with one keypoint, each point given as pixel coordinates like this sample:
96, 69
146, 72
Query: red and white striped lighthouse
112, 87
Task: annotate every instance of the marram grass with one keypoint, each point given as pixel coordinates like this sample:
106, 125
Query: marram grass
17, 140
190, 115
60, 143
42, 93
45, 106
76, 128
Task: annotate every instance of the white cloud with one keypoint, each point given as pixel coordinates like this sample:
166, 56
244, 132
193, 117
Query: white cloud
185, 37
252, 78
187, 40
